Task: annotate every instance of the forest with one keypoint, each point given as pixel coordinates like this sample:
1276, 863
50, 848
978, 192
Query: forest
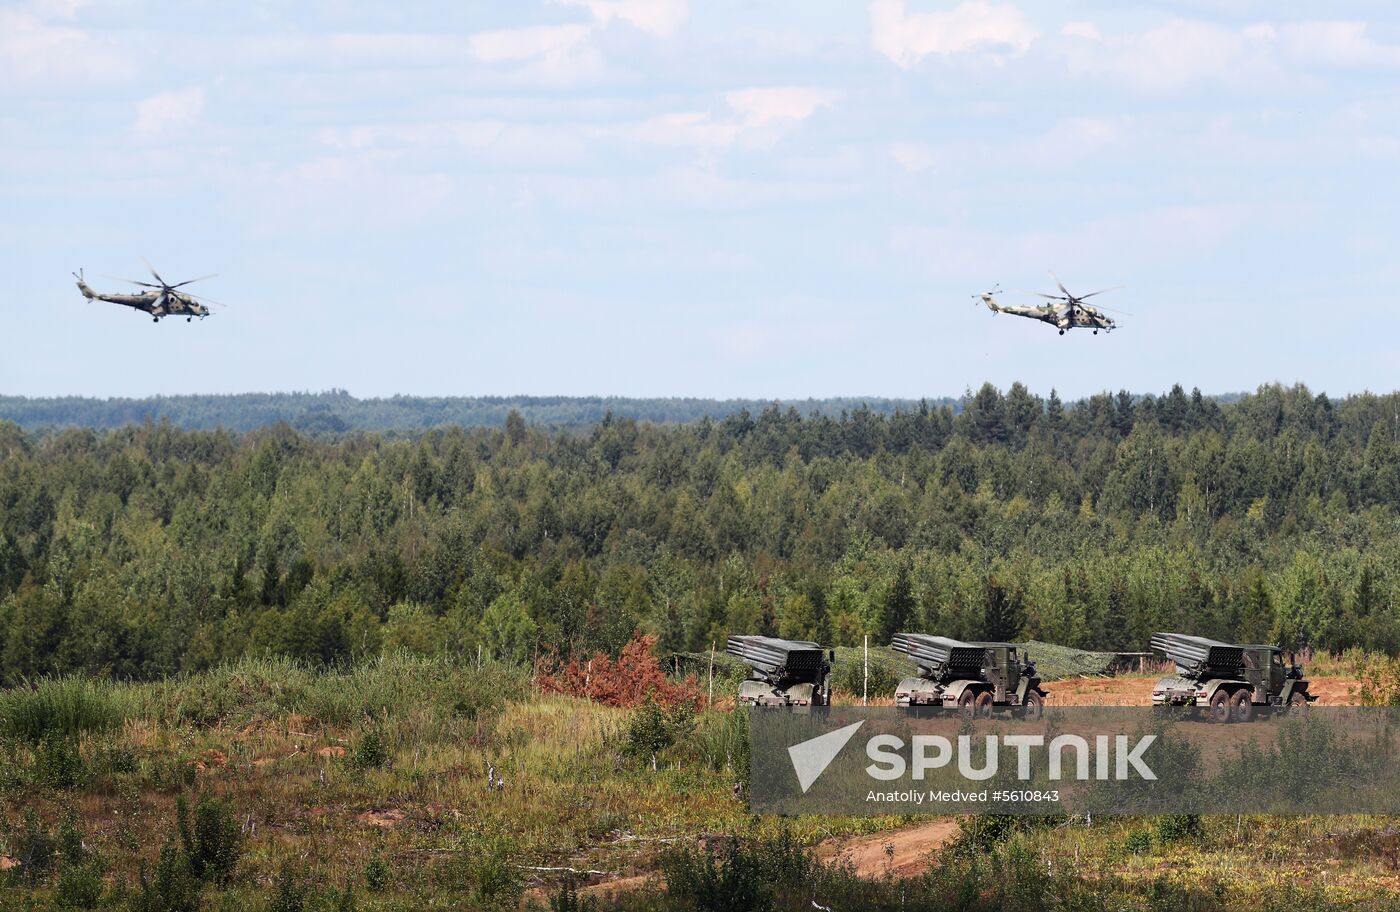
148, 550
336, 411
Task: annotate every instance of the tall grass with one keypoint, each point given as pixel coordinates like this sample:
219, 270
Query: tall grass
65, 707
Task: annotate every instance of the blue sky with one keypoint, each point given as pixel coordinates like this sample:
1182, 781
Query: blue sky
727, 198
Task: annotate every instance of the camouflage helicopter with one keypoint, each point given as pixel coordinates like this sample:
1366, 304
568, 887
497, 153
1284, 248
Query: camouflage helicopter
1069, 313
162, 301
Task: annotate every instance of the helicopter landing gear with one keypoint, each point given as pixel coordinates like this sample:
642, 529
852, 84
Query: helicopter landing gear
188, 319
1096, 332
1062, 332
155, 319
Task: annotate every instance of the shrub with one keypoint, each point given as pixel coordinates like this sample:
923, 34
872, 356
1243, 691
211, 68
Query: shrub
1139, 842
376, 872
484, 869
653, 729
728, 881
1172, 827
34, 849
568, 900
58, 764
79, 886
850, 677
213, 842
370, 752
174, 888
632, 679
289, 893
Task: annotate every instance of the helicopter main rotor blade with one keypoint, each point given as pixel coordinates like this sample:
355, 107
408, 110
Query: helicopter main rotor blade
203, 299
200, 279
1100, 291
1041, 294
1061, 285
164, 284
132, 281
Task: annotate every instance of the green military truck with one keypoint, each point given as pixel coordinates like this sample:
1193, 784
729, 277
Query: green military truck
1232, 682
783, 673
974, 678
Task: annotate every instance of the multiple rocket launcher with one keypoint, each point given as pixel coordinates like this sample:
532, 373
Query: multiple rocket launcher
1227, 678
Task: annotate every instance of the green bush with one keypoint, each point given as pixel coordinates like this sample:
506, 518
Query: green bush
58, 763
1139, 842
849, 675
370, 753
1173, 827
213, 841
174, 888
79, 886
34, 848
653, 729
377, 872
289, 893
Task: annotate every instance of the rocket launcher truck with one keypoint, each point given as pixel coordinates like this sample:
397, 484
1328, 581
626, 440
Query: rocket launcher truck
1232, 682
971, 677
782, 672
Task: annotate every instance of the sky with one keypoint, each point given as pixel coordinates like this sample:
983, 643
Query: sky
724, 198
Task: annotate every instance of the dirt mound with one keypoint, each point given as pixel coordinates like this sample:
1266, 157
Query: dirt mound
901, 853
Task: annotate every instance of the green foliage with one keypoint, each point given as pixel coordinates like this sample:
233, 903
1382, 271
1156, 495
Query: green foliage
62, 708
370, 752
567, 899
35, 848
1174, 827
485, 870
1139, 842
288, 892
376, 872
80, 886
172, 888
653, 729
148, 551
212, 841
58, 763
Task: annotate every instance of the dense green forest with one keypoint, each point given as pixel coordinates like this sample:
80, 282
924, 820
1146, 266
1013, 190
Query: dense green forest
149, 549
337, 411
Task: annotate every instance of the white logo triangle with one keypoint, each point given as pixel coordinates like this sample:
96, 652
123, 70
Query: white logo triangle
811, 758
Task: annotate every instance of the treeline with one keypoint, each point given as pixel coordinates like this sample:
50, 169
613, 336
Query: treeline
338, 412
148, 550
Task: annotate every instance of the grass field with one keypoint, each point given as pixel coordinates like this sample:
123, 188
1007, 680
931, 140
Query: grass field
421, 784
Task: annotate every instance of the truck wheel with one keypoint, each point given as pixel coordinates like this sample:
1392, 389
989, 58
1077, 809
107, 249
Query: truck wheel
983, 706
966, 699
1297, 703
1220, 706
1242, 705
1035, 706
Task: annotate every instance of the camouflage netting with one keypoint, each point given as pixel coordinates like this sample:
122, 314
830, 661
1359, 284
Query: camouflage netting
1057, 662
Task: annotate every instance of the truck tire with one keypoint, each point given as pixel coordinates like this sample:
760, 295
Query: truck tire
1035, 706
1219, 710
1297, 703
966, 701
983, 706
1242, 706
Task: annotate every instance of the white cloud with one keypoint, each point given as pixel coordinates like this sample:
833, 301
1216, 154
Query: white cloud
688, 128
914, 157
527, 43
658, 17
759, 106
1332, 44
1081, 30
550, 53
33, 50
157, 115
976, 25
1174, 55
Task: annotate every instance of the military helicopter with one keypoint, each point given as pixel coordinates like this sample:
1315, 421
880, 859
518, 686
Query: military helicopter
1069, 313
162, 301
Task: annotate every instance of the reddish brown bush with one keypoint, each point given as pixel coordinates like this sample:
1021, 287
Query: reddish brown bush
630, 680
